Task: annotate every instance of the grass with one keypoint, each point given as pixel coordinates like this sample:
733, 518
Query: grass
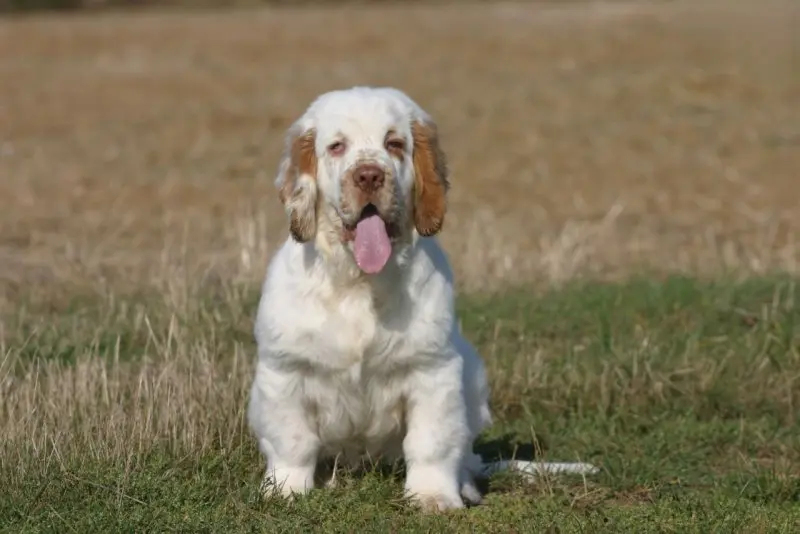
130, 416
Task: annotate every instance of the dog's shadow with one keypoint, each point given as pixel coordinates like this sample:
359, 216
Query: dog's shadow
507, 447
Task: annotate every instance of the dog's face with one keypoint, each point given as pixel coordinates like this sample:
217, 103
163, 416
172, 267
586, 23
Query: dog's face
363, 166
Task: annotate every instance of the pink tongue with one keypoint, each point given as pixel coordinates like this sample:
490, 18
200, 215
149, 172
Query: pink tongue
372, 248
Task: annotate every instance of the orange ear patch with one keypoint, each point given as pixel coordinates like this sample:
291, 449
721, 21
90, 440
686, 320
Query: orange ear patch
297, 189
430, 185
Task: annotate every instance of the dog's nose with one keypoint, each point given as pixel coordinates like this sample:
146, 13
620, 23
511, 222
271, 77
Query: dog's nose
369, 177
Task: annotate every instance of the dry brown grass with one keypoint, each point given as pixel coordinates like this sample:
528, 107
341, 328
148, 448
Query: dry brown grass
186, 389
584, 139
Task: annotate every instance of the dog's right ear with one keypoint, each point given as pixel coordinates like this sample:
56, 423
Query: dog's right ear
297, 182
430, 181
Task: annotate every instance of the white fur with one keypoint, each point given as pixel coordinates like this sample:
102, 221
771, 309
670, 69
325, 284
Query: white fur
350, 364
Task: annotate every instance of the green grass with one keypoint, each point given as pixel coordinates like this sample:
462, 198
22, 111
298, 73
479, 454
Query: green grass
682, 391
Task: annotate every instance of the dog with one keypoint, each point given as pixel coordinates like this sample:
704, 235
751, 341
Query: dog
359, 352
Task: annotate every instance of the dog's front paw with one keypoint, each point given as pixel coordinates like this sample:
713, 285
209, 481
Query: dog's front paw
436, 502
433, 489
287, 482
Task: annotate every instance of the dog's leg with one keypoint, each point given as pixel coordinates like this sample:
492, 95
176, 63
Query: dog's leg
436, 439
476, 397
288, 472
284, 438
472, 468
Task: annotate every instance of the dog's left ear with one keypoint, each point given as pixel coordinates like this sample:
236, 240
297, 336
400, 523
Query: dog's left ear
430, 178
297, 182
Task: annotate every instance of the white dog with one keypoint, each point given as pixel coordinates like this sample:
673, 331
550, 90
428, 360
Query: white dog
358, 347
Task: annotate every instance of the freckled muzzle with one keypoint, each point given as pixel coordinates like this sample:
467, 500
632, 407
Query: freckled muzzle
368, 195
368, 183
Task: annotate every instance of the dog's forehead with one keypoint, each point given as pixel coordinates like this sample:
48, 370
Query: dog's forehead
360, 113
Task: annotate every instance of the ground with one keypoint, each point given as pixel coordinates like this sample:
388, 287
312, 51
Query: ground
623, 225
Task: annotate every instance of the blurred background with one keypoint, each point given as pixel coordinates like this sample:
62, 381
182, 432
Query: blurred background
585, 138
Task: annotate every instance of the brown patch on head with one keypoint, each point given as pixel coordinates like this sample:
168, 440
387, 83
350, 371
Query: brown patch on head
297, 186
430, 183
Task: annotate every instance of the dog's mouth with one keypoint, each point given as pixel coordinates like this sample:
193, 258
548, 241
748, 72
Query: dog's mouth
372, 238
370, 210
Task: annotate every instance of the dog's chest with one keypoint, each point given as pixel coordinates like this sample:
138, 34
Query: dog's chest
356, 407
358, 337
357, 392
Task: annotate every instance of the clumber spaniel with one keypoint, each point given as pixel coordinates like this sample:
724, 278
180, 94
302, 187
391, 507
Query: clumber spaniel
358, 347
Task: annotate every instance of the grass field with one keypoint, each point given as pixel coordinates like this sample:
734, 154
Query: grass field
624, 227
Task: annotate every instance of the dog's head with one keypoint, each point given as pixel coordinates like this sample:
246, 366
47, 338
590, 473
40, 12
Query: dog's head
363, 169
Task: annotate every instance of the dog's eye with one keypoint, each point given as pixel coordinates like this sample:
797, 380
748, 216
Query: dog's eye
396, 146
337, 148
